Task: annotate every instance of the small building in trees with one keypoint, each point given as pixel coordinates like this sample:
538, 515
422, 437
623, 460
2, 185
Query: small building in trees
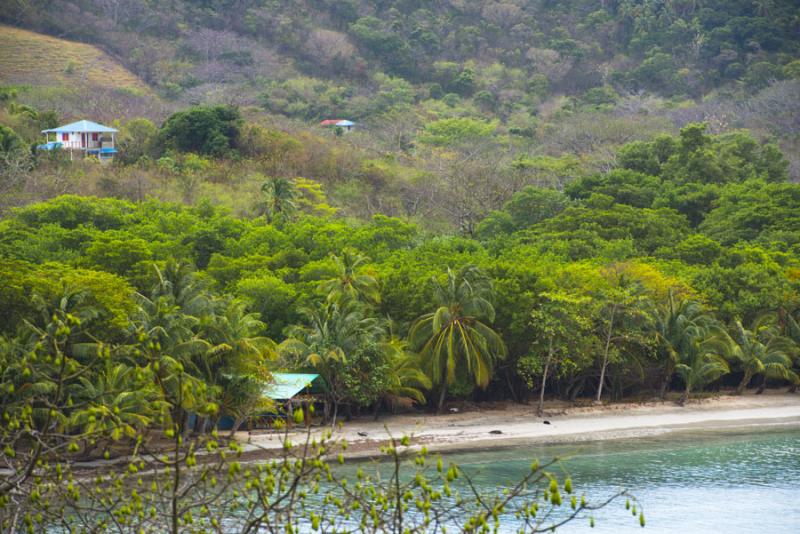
287, 392
83, 138
342, 125
294, 391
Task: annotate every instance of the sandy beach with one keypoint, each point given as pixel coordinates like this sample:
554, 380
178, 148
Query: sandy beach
518, 424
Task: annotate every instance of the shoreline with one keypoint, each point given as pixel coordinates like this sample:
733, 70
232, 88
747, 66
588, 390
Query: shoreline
518, 424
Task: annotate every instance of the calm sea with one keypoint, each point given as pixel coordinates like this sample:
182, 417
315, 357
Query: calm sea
711, 481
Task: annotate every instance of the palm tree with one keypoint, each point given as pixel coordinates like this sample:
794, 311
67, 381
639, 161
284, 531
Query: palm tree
788, 322
677, 326
237, 359
763, 8
167, 330
332, 331
166, 338
280, 198
163, 322
762, 351
349, 283
404, 378
454, 335
704, 359
117, 402
178, 281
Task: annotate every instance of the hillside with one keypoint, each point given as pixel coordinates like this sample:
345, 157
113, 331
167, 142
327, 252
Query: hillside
68, 76
308, 59
459, 104
30, 58
540, 69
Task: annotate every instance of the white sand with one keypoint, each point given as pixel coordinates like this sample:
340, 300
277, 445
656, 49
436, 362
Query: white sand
519, 424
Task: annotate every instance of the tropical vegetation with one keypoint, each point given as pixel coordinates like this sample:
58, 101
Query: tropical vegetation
568, 200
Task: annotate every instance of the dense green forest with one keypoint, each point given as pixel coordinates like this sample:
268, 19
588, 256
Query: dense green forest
128, 328
674, 270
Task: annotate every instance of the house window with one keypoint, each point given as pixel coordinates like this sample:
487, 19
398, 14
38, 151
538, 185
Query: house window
94, 136
65, 137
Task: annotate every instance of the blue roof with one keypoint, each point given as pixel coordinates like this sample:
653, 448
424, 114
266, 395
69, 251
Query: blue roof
81, 126
287, 385
345, 123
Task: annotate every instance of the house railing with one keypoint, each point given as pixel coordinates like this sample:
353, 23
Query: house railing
89, 144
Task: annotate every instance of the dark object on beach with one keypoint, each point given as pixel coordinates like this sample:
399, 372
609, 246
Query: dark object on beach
362, 434
546, 422
495, 432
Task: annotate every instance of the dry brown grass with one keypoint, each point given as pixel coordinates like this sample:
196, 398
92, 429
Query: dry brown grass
29, 58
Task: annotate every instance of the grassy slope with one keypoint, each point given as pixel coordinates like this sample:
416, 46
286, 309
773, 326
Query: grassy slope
29, 58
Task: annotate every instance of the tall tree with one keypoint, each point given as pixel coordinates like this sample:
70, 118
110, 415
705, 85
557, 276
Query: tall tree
212, 130
562, 322
168, 324
788, 322
624, 310
236, 360
455, 335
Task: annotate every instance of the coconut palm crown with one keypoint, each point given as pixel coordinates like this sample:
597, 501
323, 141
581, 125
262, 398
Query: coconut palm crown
455, 335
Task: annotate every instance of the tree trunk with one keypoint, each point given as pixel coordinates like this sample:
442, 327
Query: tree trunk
684, 396
511, 387
442, 394
201, 425
762, 386
236, 424
666, 381
605, 353
540, 410
335, 411
376, 410
743, 384
576, 388
186, 429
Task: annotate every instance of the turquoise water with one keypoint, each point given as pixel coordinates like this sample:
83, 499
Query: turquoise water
727, 482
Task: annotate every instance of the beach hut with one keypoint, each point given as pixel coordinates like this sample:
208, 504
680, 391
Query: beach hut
288, 391
83, 138
294, 390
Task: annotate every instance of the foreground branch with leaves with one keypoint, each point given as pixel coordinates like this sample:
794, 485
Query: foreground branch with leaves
202, 484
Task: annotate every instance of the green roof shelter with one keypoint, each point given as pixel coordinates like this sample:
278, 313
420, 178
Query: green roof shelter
285, 386
295, 390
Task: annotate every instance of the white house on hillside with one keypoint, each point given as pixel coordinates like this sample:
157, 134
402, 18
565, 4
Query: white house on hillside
85, 138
